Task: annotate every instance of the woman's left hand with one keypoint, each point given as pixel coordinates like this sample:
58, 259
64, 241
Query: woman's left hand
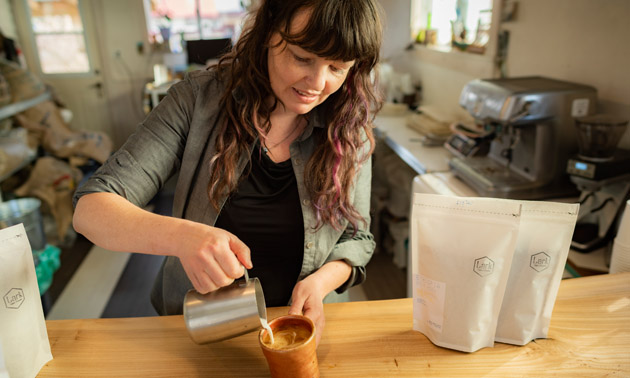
308, 295
308, 301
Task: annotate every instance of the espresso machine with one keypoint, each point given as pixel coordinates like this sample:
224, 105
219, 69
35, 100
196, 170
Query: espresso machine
531, 124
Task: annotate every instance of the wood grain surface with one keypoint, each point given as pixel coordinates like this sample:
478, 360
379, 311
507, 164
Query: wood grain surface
589, 337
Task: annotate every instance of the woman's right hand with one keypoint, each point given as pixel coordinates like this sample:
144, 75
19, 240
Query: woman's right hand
211, 257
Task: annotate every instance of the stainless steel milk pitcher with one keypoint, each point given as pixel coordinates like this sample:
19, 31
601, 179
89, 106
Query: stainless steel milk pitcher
225, 313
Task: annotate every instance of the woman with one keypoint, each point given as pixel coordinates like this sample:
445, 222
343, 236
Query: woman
272, 147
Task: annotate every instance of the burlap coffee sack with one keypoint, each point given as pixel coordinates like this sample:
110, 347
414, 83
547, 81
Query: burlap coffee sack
23, 84
46, 123
53, 181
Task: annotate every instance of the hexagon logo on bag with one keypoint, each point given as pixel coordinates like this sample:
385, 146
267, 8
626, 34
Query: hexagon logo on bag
540, 261
14, 298
483, 266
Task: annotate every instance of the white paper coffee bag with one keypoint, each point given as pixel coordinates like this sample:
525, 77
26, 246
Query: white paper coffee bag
4, 373
541, 253
23, 335
461, 255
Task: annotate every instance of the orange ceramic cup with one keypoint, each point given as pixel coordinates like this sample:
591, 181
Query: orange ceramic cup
294, 354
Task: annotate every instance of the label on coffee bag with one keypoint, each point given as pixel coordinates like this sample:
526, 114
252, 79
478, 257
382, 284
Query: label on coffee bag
430, 301
539, 261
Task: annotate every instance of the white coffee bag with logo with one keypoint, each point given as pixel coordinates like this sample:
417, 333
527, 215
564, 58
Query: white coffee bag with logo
461, 255
541, 253
23, 335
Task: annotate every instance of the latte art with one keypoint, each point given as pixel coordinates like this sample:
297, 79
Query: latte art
288, 337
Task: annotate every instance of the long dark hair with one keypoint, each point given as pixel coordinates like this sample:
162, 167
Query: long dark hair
338, 30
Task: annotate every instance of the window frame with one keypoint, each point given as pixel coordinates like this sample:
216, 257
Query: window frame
88, 49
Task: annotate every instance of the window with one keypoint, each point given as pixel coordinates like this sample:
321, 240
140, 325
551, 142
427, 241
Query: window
171, 22
443, 24
59, 36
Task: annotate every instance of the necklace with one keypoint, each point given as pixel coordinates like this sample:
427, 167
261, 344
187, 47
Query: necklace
266, 148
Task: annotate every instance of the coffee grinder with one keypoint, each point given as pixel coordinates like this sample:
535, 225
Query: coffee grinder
601, 172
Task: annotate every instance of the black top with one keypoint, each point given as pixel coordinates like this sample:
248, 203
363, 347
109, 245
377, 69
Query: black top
265, 214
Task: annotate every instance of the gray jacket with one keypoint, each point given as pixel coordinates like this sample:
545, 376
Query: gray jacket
178, 136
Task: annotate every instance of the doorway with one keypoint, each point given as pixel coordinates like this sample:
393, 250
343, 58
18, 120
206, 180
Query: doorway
61, 46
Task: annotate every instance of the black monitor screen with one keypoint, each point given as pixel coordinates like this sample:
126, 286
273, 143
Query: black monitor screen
202, 50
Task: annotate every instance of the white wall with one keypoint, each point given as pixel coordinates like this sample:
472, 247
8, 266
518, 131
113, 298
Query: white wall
121, 26
396, 26
583, 41
6, 19
442, 75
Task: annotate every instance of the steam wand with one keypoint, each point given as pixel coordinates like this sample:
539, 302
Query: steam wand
515, 138
514, 133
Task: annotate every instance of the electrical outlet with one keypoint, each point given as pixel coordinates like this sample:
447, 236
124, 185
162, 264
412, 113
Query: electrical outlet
579, 108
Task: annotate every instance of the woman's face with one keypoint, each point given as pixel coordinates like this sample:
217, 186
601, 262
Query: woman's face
302, 80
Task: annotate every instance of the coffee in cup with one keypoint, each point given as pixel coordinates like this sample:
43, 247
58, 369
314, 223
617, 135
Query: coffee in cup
293, 350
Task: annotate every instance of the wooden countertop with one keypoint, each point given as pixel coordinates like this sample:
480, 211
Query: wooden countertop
589, 337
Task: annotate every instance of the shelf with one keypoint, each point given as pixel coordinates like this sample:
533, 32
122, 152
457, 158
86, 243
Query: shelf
26, 161
17, 107
10, 110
